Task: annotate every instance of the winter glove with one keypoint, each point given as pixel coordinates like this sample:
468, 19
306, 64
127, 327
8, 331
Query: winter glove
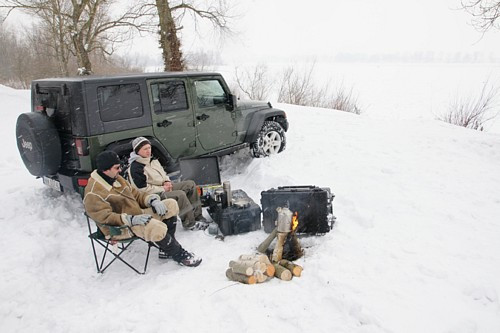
159, 207
138, 219
151, 198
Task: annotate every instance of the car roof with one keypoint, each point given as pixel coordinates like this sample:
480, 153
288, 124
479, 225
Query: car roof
152, 75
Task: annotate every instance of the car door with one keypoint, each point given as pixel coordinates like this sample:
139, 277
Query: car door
215, 124
173, 122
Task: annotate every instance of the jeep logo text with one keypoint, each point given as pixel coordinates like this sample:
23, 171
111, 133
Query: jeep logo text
27, 145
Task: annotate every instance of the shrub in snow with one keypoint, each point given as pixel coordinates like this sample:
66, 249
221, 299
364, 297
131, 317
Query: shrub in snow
299, 89
473, 112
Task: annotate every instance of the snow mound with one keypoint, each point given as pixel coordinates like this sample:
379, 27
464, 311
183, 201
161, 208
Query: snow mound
415, 248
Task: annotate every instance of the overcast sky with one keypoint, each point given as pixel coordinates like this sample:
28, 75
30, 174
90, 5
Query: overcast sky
270, 28
286, 29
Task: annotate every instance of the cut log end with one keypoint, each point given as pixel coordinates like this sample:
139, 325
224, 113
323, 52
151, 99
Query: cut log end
282, 273
270, 270
294, 268
240, 277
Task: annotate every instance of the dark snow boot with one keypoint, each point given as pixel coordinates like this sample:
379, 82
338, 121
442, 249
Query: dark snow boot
171, 225
168, 246
185, 258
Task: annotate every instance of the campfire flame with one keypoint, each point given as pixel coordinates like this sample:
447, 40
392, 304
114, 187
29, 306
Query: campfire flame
295, 221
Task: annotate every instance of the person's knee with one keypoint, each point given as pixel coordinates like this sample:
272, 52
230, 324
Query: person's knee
157, 230
172, 207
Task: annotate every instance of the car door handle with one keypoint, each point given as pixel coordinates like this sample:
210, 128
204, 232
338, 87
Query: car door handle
203, 117
164, 123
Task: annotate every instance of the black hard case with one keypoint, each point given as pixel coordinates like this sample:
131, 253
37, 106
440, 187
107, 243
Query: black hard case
235, 219
313, 205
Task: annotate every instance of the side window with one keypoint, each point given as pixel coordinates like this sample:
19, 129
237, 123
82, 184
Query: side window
169, 96
119, 102
209, 93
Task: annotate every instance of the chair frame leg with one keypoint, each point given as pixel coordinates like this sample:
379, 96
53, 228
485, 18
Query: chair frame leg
123, 247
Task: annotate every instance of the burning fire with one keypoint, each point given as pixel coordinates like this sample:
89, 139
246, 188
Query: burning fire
295, 221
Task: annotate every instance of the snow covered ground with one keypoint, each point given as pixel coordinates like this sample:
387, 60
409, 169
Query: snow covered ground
416, 247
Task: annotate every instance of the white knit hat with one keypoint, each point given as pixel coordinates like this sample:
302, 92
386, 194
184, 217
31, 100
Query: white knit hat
138, 142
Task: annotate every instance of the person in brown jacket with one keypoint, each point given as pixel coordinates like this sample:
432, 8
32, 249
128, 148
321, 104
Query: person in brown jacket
110, 200
147, 174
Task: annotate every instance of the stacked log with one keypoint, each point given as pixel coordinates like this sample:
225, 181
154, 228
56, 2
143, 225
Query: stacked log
250, 269
257, 268
295, 269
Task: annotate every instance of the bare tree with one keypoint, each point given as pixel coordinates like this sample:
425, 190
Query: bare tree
20, 59
23, 58
299, 88
166, 18
78, 27
485, 13
256, 83
201, 60
474, 112
296, 88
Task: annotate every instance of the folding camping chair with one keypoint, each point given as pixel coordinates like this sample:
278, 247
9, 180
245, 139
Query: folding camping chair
114, 247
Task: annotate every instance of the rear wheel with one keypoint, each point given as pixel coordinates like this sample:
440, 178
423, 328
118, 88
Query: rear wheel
270, 140
38, 143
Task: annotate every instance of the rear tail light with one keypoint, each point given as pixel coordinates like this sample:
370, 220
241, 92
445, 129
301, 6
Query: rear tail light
83, 182
82, 146
39, 108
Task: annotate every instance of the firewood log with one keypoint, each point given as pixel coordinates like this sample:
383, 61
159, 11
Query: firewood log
282, 273
265, 244
256, 265
294, 268
239, 277
263, 261
278, 250
259, 276
270, 270
256, 257
240, 268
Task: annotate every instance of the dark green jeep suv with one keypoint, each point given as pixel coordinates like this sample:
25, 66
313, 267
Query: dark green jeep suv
185, 114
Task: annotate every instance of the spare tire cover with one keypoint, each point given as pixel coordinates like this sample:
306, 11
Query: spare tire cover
38, 143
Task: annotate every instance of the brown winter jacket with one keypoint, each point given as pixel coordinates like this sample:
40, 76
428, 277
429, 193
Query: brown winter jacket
108, 204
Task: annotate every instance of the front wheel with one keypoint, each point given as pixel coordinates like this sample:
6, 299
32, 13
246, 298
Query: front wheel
270, 140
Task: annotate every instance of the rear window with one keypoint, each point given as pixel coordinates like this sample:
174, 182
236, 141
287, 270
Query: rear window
55, 106
118, 102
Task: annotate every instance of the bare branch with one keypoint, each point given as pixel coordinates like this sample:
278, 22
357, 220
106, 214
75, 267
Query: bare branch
485, 13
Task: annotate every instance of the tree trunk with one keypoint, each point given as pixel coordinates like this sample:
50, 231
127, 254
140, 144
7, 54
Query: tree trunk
169, 42
77, 36
82, 55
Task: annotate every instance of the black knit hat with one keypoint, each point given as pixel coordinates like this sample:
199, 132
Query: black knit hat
106, 160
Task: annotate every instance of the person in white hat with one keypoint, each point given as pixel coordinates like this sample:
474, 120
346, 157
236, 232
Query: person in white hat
148, 175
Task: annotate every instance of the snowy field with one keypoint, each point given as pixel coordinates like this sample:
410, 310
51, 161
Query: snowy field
394, 90
416, 247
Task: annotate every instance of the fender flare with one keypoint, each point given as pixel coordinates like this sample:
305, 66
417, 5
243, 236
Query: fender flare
258, 120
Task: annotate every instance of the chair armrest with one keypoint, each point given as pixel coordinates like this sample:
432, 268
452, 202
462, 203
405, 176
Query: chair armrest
113, 229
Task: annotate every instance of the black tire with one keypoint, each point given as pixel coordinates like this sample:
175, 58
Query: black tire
38, 143
270, 140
